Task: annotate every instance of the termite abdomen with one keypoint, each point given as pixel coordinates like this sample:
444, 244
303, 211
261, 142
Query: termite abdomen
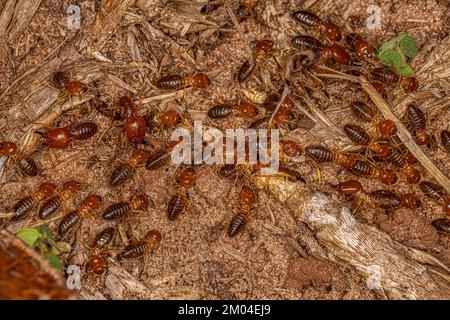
416, 117
157, 160
442, 225
60, 80
175, 206
307, 18
50, 207
432, 190
357, 134
121, 174
133, 251
246, 70
68, 222
116, 211
236, 224
363, 111
220, 111
104, 238
22, 208
385, 75
319, 153
28, 166
83, 131
307, 42
170, 82
385, 199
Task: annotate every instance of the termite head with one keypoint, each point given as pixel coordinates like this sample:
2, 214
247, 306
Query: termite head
72, 185
387, 127
76, 88
200, 80
332, 31
170, 118
138, 157
187, 178
291, 148
139, 202
263, 46
410, 201
348, 188
47, 188
96, 264
154, 236
388, 177
8, 148
247, 195
93, 201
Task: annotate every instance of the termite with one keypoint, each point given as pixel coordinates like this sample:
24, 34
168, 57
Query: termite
410, 201
261, 53
23, 207
416, 119
25, 163
72, 88
135, 126
385, 176
141, 248
362, 48
364, 112
52, 205
177, 203
173, 82
322, 154
379, 87
60, 138
309, 19
359, 136
124, 171
245, 110
397, 158
122, 209
385, 75
272, 100
410, 84
96, 263
247, 198
435, 191
160, 157
290, 148
71, 219
382, 199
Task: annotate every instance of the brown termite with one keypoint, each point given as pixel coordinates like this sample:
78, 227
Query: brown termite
71, 219
416, 119
135, 126
245, 110
385, 75
124, 171
60, 138
173, 82
379, 87
72, 88
368, 113
309, 19
23, 207
247, 198
382, 199
290, 174
96, 263
141, 248
160, 157
245, 9
442, 225
409, 84
445, 139
272, 100
359, 136
362, 48
52, 205
26, 164
122, 209
177, 203
436, 192
322, 154
363, 168
399, 160
410, 201
261, 53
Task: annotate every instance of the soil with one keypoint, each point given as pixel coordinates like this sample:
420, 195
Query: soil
158, 37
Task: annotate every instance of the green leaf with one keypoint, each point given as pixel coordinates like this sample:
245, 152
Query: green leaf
54, 260
408, 45
30, 236
404, 71
391, 58
47, 234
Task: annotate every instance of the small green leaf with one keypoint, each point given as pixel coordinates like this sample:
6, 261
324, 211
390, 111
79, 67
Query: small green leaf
408, 46
404, 71
54, 260
391, 57
47, 234
30, 236
63, 246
